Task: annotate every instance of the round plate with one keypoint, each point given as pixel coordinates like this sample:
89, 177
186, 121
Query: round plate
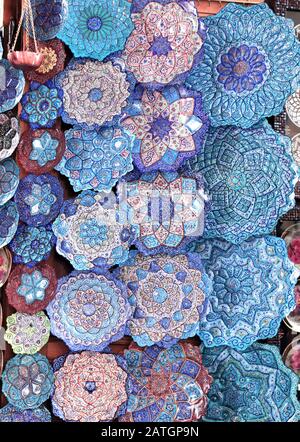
291, 356
9, 219
40, 150
89, 311
9, 135
12, 86
291, 236
293, 108
9, 179
53, 61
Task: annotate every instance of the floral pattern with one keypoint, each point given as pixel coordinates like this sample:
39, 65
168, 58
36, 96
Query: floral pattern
41, 150
170, 127
94, 93
9, 218
9, 135
33, 287
29, 290
88, 387
165, 43
250, 65
90, 310
31, 244
95, 29
253, 290
12, 86
49, 17
96, 159
250, 386
10, 413
168, 295
54, 57
42, 105
27, 333
39, 199
166, 385
9, 180
27, 381
250, 177
87, 250
166, 209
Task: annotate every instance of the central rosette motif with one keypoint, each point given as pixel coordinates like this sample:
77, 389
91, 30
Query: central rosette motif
242, 68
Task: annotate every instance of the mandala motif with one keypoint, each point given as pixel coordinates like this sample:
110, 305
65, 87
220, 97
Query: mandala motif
166, 41
40, 150
168, 296
90, 310
167, 210
9, 413
32, 244
53, 61
27, 381
250, 65
88, 387
250, 386
29, 290
253, 290
9, 135
94, 93
12, 86
96, 28
39, 199
250, 177
27, 334
96, 159
42, 105
166, 385
169, 126
89, 233
9, 180
49, 17
9, 218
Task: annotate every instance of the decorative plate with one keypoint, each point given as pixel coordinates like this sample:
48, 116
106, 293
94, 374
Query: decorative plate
94, 93
167, 210
293, 108
166, 385
32, 244
90, 310
53, 61
253, 290
250, 65
9, 135
166, 42
27, 334
49, 17
9, 413
250, 177
9, 179
291, 356
291, 236
12, 86
296, 149
29, 290
42, 105
96, 28
39, 199
27, 381
293, 318
88, 387
9, 218
96, 159
250, 386
168, 295
89, 233
170, 127
5, 265
41, 150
